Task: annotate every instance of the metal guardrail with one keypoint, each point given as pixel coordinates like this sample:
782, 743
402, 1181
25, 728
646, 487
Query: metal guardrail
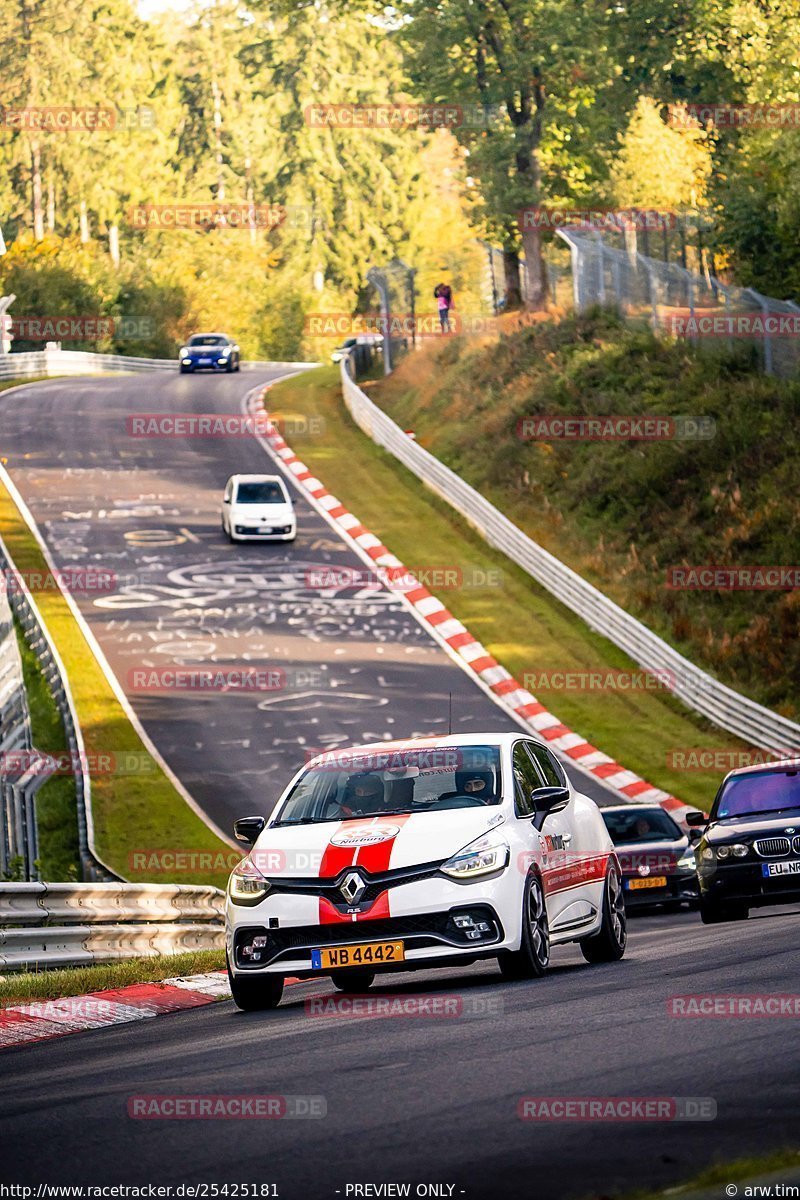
85, 362
36, 635
23, 770
722, 705
76, 924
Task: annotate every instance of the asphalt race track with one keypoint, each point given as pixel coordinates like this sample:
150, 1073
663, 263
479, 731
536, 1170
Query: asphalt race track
434, 1100
407, 1099
359, 666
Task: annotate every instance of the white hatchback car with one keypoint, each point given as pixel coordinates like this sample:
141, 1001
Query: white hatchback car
418, 854
258, 508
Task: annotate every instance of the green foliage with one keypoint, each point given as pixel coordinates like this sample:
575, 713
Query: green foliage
622, 513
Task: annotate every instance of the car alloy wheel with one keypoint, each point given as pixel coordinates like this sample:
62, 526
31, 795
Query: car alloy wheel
532, 958
608, 945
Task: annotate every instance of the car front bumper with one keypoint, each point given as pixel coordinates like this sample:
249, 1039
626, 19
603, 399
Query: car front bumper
680, 888
418, 914
746, 881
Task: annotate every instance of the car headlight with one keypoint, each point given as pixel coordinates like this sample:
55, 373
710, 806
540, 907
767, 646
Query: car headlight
688, 862
736, 850
247, 885
489, 853
226, 350
183, 352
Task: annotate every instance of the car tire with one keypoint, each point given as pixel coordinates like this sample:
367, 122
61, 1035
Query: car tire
716, 912
533, 957
238, 365
608, 945
226, 531
228, 367
352, 981
184, 370
257, 994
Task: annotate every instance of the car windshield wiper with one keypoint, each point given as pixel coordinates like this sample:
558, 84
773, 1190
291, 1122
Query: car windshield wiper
764, 812
305, 821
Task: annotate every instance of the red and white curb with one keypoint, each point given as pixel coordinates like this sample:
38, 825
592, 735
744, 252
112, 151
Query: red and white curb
44, 1019
446, 628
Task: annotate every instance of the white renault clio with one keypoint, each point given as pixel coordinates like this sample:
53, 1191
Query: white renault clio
258, 508
426, 853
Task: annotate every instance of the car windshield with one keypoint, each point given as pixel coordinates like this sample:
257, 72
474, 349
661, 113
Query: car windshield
207, 339
347, 784
260, 493
764, 792
641, 825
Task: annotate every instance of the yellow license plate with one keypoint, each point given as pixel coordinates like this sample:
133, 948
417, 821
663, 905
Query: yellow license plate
367, 954
653, 881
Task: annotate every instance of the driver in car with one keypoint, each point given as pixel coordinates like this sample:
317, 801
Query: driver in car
479, 784
363, 796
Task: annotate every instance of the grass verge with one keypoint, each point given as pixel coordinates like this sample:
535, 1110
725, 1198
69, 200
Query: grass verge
135, 807
738, 1170
77, 981
628, 514
522, 625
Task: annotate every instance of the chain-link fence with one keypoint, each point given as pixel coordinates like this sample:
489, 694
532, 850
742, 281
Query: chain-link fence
683, 303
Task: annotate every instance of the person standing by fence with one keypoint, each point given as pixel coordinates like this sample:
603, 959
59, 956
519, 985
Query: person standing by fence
443, 294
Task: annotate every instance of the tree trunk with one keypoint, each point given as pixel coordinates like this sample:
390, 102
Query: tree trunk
113, 243
84, 223
512, 282
535, 270
51, 203
37, 211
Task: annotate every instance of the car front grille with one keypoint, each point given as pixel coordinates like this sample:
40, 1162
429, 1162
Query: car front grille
772, 847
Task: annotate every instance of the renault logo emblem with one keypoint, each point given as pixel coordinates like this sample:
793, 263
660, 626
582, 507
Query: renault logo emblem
352, 887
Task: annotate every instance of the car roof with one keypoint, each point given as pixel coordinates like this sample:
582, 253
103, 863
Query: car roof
211, 333
255, 479
428, 743
761, 768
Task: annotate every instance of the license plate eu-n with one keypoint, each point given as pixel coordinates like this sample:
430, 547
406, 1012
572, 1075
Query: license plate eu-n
652, 881
776, 869
366, 954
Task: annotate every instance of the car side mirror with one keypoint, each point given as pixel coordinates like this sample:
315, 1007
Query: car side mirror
247, 829
226, 499
695, 836
696, 818
546, 800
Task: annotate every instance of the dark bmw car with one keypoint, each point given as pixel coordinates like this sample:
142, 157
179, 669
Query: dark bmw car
656, 856
209, 352
749, 853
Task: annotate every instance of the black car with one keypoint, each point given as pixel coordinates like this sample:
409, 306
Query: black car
749, 852
656, 856
209, 352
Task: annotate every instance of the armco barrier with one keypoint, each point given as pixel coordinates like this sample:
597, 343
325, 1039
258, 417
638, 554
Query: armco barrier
20, 781
722, 705
38, 638
84, 362
75, 924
